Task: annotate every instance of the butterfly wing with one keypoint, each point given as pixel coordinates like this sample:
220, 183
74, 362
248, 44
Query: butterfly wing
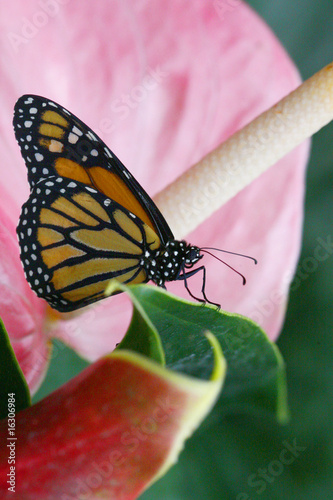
54, 142
74, 239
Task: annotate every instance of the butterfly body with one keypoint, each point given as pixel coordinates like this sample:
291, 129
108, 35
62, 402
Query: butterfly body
87, 220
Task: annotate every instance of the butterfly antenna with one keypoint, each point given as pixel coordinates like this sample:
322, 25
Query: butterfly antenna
223, 262
231, 253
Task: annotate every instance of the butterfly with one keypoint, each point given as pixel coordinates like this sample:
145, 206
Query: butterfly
87, 220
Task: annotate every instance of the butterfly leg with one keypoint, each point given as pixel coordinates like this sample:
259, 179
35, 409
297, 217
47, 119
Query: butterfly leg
187, 275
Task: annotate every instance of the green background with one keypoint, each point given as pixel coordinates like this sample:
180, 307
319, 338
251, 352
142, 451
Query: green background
224, 455
218, 462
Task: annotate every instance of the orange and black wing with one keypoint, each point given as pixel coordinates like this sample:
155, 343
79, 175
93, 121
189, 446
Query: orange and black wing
54, 142
74, 239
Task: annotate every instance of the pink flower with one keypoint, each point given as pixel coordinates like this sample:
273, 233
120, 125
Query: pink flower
162, 85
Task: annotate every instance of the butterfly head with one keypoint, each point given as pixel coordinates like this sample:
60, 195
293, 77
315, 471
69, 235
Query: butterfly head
169, 262
192, 255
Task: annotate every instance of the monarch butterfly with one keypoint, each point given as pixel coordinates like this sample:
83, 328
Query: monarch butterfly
87, 220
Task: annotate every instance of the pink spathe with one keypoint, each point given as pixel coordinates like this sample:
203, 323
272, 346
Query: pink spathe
162, 83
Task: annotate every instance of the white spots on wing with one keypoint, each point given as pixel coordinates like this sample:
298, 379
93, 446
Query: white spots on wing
107, 202
29, 232
45, 171
76, 130
73, 138
94, 152
108, 152
72, 185
56, 146
39, 157
29, 100
91, 190
33, 111
91, 136
27, 123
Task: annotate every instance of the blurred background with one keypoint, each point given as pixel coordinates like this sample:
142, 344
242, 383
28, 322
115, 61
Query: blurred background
243, 457
239, 458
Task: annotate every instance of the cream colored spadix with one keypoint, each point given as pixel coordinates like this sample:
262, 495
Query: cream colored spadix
209, 184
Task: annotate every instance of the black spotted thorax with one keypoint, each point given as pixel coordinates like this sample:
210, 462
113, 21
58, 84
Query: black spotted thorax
166, 263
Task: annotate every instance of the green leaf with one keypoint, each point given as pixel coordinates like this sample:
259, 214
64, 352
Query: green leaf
142, 336
256, 373
12, 381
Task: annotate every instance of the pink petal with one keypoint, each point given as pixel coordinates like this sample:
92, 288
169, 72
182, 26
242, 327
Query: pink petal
162, 91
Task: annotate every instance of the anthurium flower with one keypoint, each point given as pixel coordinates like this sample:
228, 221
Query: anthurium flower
162, 86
